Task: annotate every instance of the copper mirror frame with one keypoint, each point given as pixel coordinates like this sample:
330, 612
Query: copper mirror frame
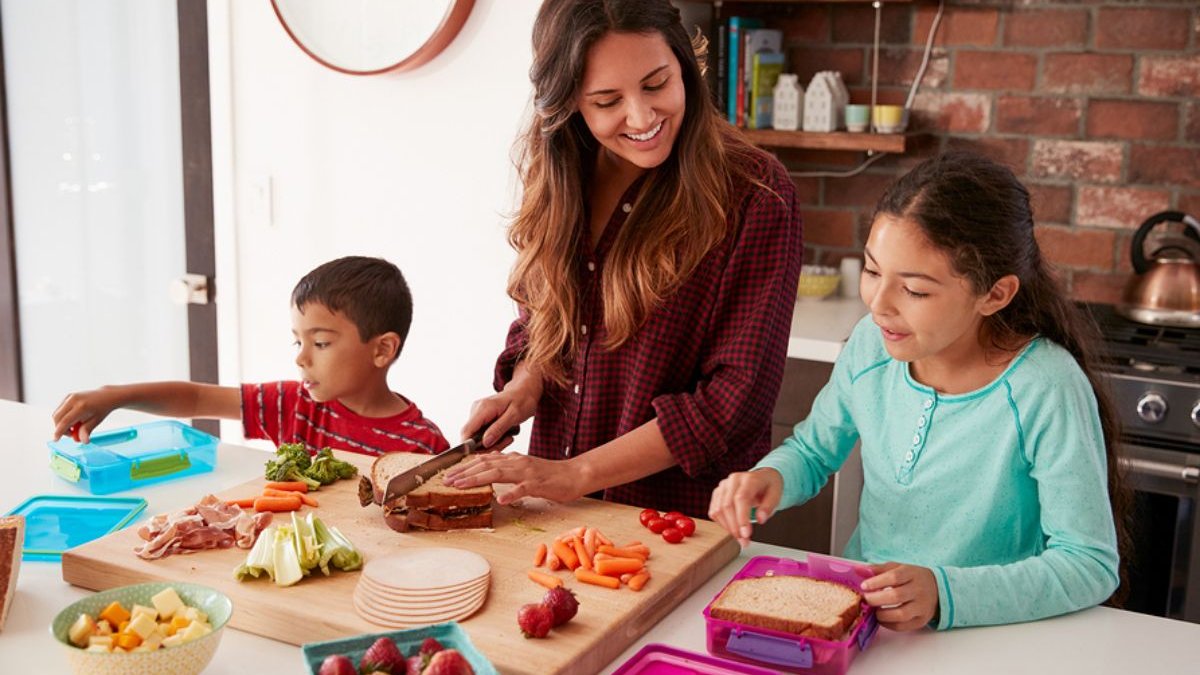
435, 41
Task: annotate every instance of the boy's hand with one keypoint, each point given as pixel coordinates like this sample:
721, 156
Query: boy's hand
83, 411
906, 595
738, 494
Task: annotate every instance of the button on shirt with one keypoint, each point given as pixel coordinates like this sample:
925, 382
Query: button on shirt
707, 363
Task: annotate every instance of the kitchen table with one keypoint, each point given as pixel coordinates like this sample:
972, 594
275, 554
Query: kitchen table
1098, 640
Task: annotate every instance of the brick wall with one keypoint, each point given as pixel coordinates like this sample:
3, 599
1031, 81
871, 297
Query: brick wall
1095, 105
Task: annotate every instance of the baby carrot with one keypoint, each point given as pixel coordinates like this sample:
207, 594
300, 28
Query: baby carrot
584, 559
602, 540
288, 485
277, 503
547, 580
626, 552
552, 561
246, 503
638, 580
589, 541
589, 577
566, 554
540, 556
306, 499
615, 567
626, 577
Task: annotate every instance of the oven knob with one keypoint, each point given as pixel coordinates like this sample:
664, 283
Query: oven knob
1152, 408
1196, 414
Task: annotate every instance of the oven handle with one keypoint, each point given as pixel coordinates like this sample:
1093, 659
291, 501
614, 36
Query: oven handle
1187, 474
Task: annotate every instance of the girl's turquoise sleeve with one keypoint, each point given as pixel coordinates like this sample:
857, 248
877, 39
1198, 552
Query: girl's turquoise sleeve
1078, 567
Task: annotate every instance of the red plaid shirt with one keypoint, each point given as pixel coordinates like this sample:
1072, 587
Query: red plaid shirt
707, 363
283, 412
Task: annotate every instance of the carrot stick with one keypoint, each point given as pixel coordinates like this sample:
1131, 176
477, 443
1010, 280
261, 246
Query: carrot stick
631, 544
602, 540
626, 552
589, 577
566, 554
567, 535
288, 486
547, 580
589, 541
626, 577
306, 499
615, 567
638, 580
584, 559
540, 556
277, 503
552, 561
246, 503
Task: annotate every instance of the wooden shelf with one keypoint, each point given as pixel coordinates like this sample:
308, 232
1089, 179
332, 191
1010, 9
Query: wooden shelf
834, 140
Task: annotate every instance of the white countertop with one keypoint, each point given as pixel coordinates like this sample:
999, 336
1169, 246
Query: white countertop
821, 327
1098, 640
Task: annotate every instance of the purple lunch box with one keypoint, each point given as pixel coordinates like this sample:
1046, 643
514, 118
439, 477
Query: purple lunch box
788, 651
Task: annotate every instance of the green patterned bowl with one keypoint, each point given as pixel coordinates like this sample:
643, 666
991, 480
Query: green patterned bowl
186, 659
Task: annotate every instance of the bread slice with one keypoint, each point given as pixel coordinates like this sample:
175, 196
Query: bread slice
435, 495
403, 520
431, 506
790, 604
12, 539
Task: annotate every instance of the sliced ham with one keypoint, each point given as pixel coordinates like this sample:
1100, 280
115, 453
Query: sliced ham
211, 523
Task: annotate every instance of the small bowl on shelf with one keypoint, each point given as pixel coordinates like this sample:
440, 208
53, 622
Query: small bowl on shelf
817, 282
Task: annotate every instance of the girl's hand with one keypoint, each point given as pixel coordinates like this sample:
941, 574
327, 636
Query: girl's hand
83, 411
505, 410
740, 492
531, 476
906, 595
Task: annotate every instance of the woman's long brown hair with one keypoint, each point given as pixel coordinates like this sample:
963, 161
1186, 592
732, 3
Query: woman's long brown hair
679, 216
979, 212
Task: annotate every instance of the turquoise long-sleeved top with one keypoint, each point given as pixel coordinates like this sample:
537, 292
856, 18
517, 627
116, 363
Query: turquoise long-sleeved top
1002, 492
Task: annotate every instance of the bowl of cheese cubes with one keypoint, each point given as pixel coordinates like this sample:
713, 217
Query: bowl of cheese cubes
144, 628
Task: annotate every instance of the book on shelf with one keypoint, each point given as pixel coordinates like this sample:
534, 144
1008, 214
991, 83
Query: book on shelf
755, 40
735, 104
721, 68
763, 76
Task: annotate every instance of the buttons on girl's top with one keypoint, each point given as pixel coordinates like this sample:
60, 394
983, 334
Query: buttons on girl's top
916, 440
922, 421
908, 456
928, 403
577, 389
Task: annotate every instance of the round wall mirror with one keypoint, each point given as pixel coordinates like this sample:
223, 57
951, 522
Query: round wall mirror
366, 37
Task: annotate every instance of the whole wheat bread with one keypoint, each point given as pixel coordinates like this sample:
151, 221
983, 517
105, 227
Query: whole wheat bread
12, 539
431, 506
791, 604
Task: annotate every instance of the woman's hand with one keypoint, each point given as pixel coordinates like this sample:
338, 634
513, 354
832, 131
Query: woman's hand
906, 595
505, 410
740, 492
531, 476
83, 411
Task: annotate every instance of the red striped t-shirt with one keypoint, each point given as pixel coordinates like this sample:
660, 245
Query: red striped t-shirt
283, 412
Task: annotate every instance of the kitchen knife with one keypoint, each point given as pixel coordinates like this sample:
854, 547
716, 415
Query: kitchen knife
404, 483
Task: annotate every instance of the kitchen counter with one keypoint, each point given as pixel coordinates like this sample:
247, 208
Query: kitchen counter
1098, 640
821, 327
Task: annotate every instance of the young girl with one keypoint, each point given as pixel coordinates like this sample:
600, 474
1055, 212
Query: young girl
657, 259
987, 447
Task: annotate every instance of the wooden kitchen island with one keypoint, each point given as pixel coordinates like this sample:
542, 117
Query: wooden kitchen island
1099, 640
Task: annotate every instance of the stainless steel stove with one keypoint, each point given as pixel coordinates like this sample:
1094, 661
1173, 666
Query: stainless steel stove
1154, 376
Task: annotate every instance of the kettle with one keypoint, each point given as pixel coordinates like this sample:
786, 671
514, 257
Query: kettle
1166, 289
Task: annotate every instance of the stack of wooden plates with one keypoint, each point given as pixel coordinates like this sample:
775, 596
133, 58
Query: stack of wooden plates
422, 586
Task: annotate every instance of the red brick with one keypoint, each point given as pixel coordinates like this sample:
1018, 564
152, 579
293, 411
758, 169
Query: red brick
1077, 248
889, 95
960, 25
1156, 28
1038, 116
1191, 132
1169, 76
833, 257
1092, 287
808, 190
1092, 161
864, 190
899, 66
824, 227
1189, 203
848, 62
1139, 120
1125, 207
1158, 165
805, 23
994, 70
1012, 152
1051, 203
1046, 28
835, 159
1075, 73
856, 23
970, 113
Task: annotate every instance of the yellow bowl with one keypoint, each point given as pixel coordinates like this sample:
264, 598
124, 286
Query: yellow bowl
816, 286
186, 659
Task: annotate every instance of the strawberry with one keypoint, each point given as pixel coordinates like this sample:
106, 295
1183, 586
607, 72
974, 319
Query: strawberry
535, 620
383, 655
430, 647
562, 602
448, 662
416, 664
337, 664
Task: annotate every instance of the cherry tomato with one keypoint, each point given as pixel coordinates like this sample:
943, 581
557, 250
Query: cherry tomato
647, 515
673, 515
685, 525
74, 431
657, 525
672, 535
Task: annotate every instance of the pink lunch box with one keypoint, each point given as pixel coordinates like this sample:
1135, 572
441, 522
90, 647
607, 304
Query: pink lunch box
787, 651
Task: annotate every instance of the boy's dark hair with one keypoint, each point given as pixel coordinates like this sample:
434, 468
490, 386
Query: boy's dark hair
371, 292
979, 213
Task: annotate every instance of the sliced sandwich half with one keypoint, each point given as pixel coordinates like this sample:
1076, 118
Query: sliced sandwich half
790, 604
431, 506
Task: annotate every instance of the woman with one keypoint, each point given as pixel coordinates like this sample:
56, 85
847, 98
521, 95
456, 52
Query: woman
657, 260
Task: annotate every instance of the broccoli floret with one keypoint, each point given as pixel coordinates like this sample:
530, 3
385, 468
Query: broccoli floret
285, 469
326, 469
297, 452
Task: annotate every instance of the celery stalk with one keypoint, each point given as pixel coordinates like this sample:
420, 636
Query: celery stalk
260, 558
287, 563
335, 548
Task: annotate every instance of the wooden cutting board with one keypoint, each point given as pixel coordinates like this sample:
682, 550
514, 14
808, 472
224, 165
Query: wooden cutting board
320, 608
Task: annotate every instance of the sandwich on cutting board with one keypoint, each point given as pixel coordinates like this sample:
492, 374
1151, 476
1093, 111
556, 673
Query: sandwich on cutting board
412, 490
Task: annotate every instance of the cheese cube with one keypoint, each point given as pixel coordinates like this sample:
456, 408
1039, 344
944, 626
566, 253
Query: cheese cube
143, 625
97, 648
114, 613
195, 630
105, 641
142, 609
167, 602
103, 627
173, 641
81, 630
153, 641
195, 614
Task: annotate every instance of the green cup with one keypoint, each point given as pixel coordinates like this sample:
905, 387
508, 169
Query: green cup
857, 117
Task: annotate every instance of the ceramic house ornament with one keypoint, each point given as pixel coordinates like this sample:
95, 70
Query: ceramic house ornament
821, 103
788, 102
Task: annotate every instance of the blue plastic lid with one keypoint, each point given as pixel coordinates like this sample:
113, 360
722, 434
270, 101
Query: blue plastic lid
450, 634
55, 523
139, 442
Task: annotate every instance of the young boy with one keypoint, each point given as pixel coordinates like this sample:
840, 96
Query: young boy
350, 318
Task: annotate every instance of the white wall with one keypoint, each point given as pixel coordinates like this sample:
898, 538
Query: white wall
415, 167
